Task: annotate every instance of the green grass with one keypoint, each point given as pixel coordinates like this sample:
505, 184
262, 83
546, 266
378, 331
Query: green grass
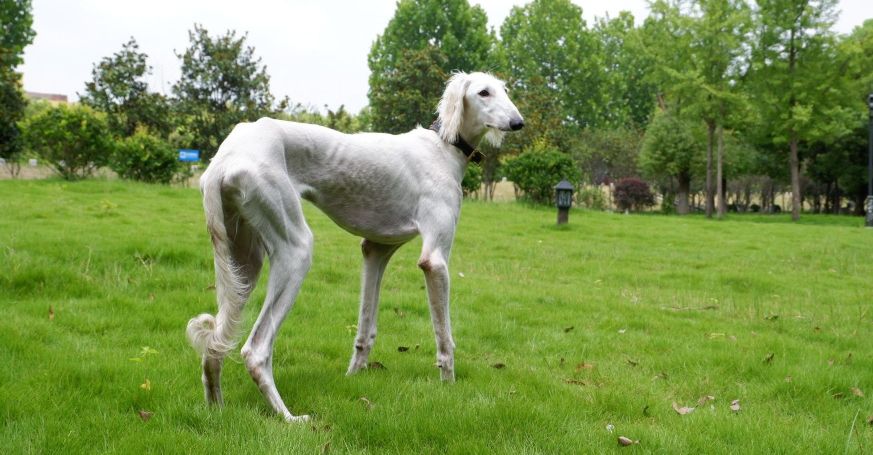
607, 321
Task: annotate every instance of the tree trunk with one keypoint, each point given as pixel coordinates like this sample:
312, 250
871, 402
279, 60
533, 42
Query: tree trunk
720, 178
794, 162
710, 132
682, 197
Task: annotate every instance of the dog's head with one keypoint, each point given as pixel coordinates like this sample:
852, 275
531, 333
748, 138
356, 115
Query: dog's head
474, 105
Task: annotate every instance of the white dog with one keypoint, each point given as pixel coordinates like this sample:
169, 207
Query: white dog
384, 188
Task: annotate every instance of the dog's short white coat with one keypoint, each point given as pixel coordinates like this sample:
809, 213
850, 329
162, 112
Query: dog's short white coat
384, 188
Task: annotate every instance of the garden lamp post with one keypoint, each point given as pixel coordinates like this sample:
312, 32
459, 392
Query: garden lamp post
868, 203
563, 200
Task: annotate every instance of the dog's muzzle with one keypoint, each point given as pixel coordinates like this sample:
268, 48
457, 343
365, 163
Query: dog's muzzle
516, 124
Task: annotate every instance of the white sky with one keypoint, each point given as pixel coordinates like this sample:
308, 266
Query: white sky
315, 51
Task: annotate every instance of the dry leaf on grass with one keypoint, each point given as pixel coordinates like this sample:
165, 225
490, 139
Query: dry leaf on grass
145, 415
575, 382
769, 357
367, 403
838, 395
147, 385
857, 392
498, 366
682, 410
51, 313
624, 441
704, 399
735, 406
584, 366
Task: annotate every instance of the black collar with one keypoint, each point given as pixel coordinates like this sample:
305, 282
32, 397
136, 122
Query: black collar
469, 151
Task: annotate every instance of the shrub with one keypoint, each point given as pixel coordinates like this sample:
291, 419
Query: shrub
592, 197
146, 158
472, 180
633, 194
538, 169
74, 140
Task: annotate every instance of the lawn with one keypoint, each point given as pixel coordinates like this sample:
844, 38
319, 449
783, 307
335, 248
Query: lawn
567, 338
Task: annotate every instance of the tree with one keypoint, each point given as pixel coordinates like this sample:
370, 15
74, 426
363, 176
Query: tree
629, 94
720, 31
670, 149
145, 157
408, 95
118, 88
409, 63
222, 84
75, 139
538, 169
549, 52
16, 33
794, 70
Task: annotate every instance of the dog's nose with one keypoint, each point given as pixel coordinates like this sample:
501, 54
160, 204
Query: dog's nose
516, 124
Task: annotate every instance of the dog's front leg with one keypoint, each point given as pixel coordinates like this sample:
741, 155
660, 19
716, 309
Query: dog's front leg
436, 274
376, 258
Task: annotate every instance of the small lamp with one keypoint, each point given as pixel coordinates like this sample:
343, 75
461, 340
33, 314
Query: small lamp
563, 200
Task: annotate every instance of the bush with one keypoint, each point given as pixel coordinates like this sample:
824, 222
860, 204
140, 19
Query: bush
538, 169
74, 140
592, 198
146, 158
472, 180
633, 194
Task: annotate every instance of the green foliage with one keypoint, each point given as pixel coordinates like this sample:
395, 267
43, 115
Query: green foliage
16, 31
537, 170
408, 95
145, 157
75, 140
472, 181
606, 155
12, 104
632, 194
409, 63
118, 88
671, 147
222, 84
628, 93
549, 49
592, 197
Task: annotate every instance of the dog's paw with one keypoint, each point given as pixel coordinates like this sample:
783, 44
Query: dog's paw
296, 419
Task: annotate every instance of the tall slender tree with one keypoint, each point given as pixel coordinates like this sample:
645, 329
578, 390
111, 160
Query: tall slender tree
16, 33
795, 83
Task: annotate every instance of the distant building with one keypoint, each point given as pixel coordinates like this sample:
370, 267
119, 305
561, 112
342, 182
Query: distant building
53, 98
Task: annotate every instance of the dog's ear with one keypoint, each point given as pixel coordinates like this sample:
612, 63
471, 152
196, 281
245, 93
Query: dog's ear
451, 107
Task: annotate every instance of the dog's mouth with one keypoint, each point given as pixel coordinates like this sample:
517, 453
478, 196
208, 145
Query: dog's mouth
501, 128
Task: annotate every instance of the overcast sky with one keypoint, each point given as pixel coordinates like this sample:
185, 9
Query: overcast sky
315, 51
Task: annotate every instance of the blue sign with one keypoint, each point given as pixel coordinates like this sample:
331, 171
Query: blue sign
189, 155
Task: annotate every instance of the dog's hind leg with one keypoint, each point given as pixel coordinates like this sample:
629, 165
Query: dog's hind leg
376, 257
247, 255
276, 211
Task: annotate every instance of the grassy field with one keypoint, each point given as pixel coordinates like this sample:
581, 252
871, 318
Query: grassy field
567, 337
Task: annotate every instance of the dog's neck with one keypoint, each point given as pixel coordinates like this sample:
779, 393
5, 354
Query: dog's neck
468, 150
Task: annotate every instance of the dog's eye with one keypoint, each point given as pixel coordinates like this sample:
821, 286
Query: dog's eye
484, 93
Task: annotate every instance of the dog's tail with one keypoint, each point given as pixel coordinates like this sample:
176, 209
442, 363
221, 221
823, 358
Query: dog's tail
214, 337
